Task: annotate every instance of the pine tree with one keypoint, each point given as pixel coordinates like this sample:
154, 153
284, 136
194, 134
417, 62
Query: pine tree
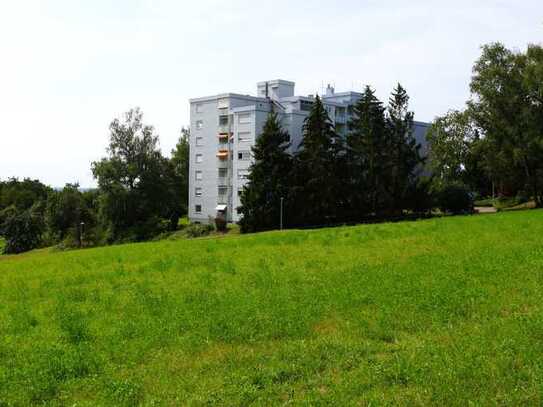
268, 179
367, 144
404, 157
318, 197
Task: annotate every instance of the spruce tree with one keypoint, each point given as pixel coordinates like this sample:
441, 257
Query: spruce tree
404, 158
367, 150
268, 179
318, 196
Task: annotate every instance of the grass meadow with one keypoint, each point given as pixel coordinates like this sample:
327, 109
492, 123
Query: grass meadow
436, 312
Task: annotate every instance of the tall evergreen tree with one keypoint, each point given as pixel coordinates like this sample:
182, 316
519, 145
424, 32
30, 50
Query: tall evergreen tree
268, 179
404, 157
318, 191
367, 145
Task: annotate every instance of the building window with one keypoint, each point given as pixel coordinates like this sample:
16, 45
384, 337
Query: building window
242, 174
244, 155
223, 172
199, 124
199, 108
245, 118
199, 176
199, 141
199, 158
244, 136
305, 105
223, 120
198, 191
222, 197
198, 208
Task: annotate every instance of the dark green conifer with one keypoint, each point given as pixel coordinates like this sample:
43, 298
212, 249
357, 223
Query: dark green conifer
268, 179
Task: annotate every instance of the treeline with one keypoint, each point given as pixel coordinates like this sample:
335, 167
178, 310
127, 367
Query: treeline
140, 194
495, 144
493, 147
373, 172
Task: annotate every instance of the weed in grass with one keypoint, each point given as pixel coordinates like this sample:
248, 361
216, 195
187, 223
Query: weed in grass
73, 323
124, 392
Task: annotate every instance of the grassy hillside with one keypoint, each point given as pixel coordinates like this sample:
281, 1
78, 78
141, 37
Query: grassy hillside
438, 312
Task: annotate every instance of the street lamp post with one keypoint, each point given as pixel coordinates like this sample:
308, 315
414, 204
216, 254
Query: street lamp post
281, 215
81, 226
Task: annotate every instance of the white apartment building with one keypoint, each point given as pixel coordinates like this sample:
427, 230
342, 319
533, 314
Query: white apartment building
224, 127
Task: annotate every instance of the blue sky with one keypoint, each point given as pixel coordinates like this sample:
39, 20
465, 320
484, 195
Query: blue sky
68, 67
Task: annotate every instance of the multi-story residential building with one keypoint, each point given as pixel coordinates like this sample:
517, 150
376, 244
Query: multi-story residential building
224, 127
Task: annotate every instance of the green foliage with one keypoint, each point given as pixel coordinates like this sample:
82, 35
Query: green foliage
180, 160
419, 196
404, 162
197, 230
507, 106
268, 180
441, 312
455, 198
21, 212
220, 224
450, 137
383, 156
367, 149
317, 196
373, 173
70, 216
23, 194
137, 184
22, 229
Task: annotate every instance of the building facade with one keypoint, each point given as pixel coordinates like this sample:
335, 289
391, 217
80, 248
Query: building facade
224, 127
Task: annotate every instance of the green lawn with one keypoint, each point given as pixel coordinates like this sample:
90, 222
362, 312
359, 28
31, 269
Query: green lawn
439, 312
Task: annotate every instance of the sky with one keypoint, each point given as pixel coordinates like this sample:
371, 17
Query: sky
69, 67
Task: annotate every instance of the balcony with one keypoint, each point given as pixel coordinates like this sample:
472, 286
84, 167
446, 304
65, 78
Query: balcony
223, 137
222, 154
224, 130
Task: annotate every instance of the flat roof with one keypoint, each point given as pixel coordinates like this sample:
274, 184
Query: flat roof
276, 81
226, 95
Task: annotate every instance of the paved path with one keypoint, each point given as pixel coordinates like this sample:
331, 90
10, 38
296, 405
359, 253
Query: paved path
485, 209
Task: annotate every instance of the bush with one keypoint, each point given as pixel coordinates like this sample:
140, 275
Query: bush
522, 197
455, 199
419, 199
198, 230
220, 224
22, 230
